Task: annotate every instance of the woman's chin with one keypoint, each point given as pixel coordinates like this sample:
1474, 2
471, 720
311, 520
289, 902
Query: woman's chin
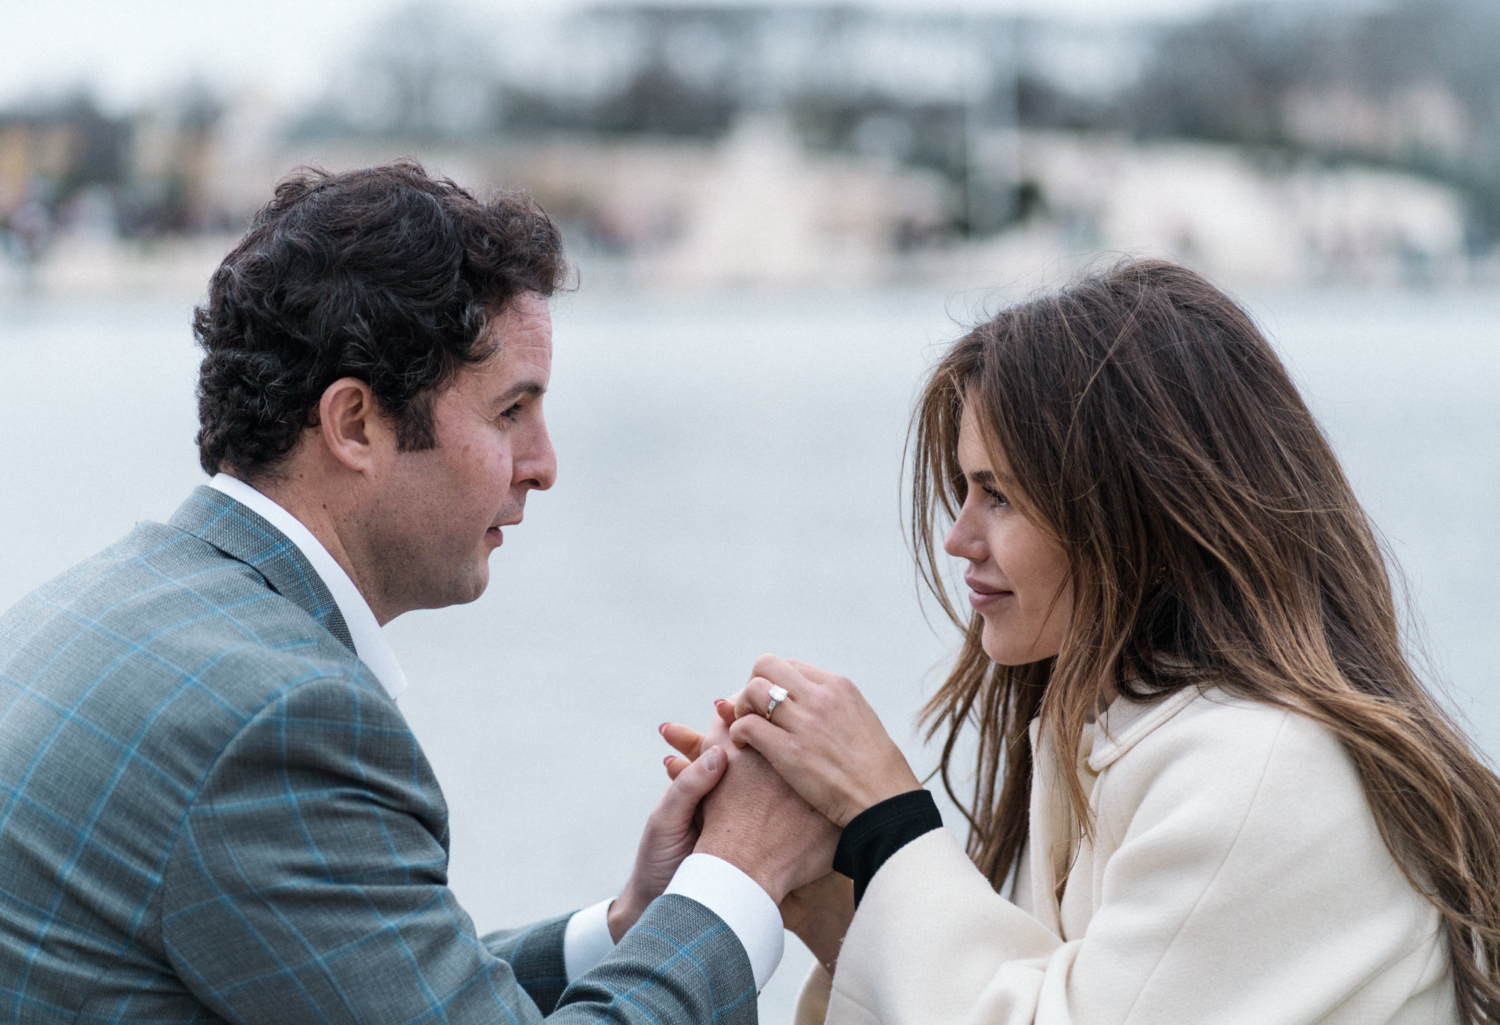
1006, 651
1001, 652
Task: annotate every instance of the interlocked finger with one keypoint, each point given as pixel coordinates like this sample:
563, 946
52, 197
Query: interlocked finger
763, 698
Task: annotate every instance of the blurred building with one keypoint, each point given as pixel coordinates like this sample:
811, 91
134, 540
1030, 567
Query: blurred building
58, 165
1226, 212
828, 145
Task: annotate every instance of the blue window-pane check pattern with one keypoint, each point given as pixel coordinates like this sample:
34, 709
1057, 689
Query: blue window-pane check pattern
210, 811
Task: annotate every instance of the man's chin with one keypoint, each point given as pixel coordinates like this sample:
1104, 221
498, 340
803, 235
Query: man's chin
462, 590
474, 584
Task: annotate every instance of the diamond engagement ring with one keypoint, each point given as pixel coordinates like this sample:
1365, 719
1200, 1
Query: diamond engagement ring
778, 695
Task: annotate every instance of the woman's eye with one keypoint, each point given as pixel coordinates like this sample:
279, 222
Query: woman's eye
996, 498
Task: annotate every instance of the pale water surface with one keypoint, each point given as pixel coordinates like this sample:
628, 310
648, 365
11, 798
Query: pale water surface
728, 486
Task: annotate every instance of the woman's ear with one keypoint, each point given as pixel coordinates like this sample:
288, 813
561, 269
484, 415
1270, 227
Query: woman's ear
351, 425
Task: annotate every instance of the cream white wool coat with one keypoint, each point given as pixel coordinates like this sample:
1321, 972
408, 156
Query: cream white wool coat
1235, 875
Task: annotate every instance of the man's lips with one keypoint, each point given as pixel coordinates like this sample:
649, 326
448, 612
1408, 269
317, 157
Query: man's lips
495, 535
982, 595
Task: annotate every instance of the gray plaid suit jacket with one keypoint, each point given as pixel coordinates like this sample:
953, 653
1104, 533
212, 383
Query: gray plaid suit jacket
210, 810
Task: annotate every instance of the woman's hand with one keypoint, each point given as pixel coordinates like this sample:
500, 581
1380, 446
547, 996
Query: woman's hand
754, 819
671, 833
689, 741
820, 913
823, 737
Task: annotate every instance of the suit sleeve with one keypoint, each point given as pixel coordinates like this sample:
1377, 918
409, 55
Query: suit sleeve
535, 956
1248, 883
308, 883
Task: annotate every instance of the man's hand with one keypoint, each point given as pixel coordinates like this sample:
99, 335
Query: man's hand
672, 831
756, 822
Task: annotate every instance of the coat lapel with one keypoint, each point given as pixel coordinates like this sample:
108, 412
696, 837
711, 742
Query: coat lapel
244, 535
1054, 830
1051, 840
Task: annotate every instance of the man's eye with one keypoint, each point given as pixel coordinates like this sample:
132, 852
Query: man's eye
511, 413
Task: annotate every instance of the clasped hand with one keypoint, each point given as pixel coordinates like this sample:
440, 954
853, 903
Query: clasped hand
728, 802
816, 762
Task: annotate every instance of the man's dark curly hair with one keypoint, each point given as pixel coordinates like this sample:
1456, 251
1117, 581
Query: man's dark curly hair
384, 274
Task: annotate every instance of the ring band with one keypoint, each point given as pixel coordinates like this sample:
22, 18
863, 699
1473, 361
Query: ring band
778, 695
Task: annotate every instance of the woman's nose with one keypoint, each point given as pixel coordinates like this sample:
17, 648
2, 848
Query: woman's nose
962, 541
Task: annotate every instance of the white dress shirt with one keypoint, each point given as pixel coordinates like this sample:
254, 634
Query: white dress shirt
747, 909
716, 884
369, 642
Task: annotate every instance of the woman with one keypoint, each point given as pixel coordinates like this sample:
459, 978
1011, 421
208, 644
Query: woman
1207, 780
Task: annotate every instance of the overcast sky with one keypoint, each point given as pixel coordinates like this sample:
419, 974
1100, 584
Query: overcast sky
129, 50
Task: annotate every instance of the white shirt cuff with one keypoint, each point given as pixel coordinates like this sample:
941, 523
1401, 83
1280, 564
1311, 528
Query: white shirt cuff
586, 940
739, 900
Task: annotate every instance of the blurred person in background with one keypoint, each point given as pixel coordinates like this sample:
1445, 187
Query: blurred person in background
211, 807
1209, 785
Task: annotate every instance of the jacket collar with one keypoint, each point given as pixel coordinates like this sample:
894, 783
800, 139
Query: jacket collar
1121, 726
243, 534
1126, 723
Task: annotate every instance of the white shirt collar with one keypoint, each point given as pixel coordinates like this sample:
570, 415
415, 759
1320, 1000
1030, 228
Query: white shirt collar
369, 642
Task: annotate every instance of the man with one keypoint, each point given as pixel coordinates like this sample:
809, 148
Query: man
210, 805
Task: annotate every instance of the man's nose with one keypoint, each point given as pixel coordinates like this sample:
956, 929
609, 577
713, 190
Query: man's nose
536, 466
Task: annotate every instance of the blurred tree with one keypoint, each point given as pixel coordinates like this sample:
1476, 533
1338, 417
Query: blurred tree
1043, 103
1413, 85
1224, 77
427, 70
689, 66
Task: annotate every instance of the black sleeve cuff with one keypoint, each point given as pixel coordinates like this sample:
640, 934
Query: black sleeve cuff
872, 836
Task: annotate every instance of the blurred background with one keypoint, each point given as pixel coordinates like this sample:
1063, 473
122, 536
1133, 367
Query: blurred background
802, 144
780, 214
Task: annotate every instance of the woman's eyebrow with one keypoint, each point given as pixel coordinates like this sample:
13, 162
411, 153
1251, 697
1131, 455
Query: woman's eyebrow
997, 479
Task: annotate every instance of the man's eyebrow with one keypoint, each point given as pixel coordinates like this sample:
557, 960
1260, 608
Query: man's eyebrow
517, 390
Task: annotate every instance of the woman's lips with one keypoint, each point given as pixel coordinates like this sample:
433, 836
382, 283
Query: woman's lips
982, 596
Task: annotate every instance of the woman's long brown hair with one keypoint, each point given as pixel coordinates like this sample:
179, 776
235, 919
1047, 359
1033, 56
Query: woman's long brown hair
1212, 539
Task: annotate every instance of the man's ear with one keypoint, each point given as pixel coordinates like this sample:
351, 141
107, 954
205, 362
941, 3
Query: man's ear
351, 424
